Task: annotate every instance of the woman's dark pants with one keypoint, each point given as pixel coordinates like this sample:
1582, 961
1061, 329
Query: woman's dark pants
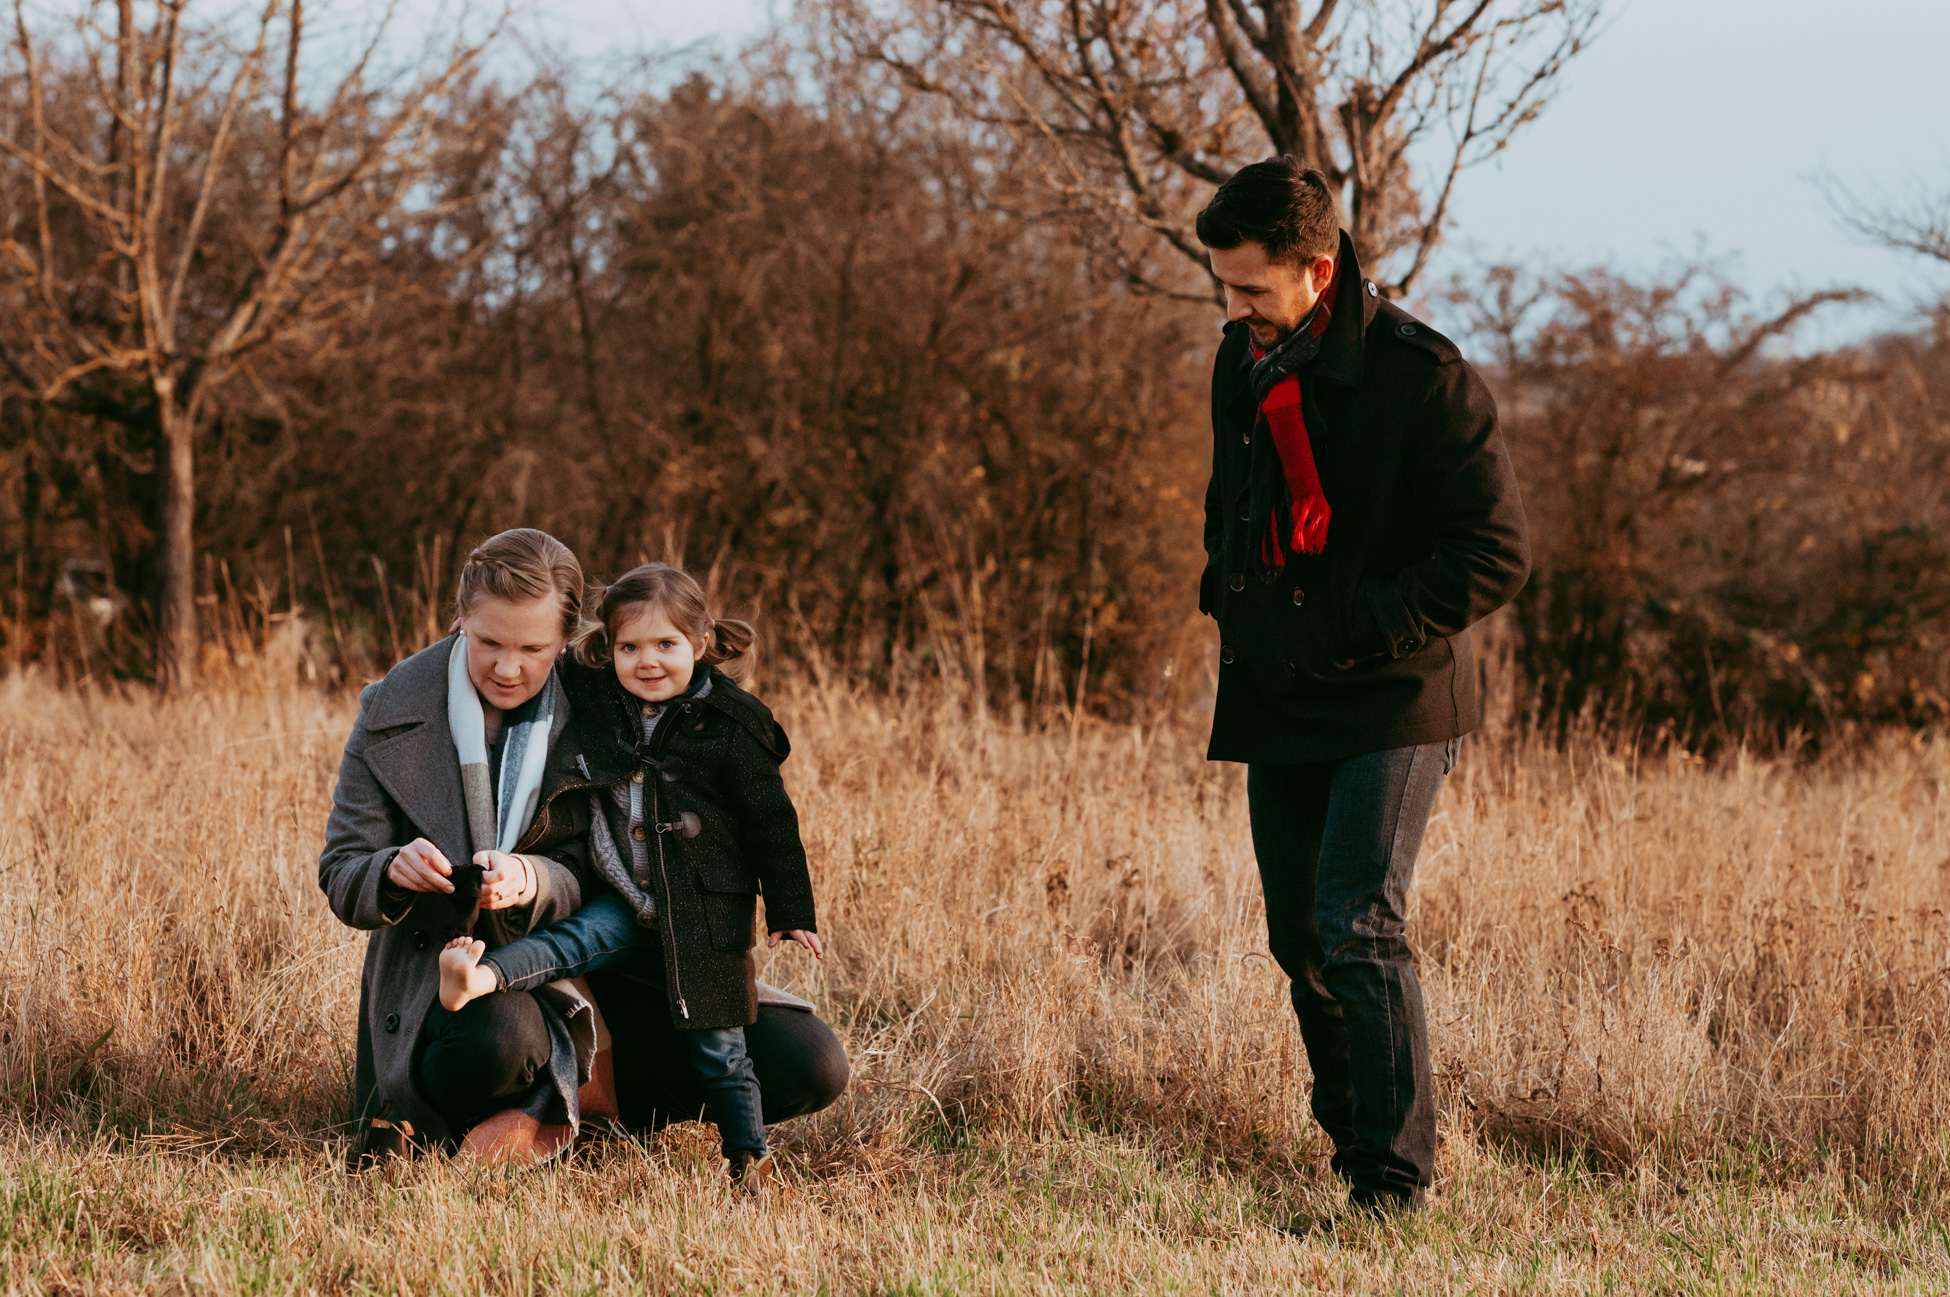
1336, 843
489, 1055
494, 1052
799, 1061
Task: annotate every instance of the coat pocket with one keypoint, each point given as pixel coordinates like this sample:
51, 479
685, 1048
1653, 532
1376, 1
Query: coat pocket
730, 897
1318, 621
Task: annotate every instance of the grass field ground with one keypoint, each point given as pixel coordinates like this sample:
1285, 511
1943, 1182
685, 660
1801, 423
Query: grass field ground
1689, 1024
1057, 1215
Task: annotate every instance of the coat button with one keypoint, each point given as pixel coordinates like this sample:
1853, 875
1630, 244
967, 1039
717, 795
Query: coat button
420, 940
637, 778
1287, 668
1408, 330
1299, 596
1238, 580
1245, 512
392, 1022
636, 832
1372, 290
1225, 654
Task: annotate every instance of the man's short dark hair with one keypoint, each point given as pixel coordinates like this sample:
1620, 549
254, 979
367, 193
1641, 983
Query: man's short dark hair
1280, 204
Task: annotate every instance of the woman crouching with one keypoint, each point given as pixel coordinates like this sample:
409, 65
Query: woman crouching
693, 822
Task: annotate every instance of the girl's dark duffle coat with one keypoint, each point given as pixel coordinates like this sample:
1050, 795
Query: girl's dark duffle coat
1364, 646
719, 829
399, 780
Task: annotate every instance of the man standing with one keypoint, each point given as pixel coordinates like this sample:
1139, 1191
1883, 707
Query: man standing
1362, 515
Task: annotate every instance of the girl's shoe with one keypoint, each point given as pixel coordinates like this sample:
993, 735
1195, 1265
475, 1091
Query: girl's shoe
381, 1143
751, 1173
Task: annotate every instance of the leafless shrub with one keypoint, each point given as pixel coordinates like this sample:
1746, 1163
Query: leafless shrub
807, 353
1733, 540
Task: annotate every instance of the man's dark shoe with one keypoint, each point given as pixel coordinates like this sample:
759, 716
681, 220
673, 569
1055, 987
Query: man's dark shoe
1367, 1207
1386, 1203
1309, 1224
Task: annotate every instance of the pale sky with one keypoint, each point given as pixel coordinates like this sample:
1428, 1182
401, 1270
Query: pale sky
1691, 125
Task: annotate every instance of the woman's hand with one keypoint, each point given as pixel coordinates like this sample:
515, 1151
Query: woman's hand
419, 866
810, 940
508, 882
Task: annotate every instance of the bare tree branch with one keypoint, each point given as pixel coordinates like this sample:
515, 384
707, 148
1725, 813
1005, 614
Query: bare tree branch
243, 84
1151, 99
1918, 222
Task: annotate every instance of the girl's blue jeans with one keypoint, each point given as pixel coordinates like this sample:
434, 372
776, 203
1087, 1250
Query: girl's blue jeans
605, 934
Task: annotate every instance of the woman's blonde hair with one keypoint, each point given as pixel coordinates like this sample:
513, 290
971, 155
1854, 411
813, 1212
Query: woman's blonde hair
658, 587
521, 566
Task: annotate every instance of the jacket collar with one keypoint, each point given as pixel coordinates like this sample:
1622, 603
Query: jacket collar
599, 737
412, 750
415, 691
1343, 346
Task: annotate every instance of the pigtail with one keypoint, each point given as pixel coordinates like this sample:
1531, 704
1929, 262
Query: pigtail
591, 643
731, 646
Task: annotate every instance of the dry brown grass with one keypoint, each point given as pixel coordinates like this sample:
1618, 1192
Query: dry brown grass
1688, 1022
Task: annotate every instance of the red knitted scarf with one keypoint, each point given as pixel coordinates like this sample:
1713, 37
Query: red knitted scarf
1281, 413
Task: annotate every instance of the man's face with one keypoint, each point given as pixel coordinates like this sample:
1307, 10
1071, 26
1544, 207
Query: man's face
1272, 297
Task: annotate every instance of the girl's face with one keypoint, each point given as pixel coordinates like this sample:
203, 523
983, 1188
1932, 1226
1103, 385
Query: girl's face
511, 647
653, 659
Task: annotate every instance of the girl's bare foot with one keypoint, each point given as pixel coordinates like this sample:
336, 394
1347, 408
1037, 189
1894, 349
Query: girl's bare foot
461, 976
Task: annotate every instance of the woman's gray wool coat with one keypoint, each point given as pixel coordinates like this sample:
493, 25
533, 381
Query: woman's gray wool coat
400, 780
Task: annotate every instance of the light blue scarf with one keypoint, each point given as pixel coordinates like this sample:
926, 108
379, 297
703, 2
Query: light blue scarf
496, 817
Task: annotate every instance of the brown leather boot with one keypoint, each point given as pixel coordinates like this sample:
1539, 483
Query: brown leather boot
597, 1098
513, 1138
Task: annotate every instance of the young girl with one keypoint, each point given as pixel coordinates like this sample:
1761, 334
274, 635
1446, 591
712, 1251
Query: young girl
691, 821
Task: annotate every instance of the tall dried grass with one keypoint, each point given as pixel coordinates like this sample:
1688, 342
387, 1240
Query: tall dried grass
1657, 970
1681, 1015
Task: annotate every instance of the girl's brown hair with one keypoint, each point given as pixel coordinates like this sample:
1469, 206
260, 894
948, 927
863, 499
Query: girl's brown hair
658, 587
522, 566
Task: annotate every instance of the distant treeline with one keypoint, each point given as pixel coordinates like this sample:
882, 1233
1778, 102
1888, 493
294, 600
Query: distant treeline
1731, 543
812, 346
805, 353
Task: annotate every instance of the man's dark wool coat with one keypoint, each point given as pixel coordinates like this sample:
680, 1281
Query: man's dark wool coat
1364, 646
714, 762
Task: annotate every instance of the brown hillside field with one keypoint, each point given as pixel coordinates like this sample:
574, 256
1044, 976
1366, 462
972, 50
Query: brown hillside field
1691, 1026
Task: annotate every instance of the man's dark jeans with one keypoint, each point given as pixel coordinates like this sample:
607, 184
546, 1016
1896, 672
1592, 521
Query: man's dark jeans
1337, 843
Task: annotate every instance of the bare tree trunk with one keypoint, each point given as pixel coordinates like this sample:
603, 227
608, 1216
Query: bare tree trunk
176, 643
